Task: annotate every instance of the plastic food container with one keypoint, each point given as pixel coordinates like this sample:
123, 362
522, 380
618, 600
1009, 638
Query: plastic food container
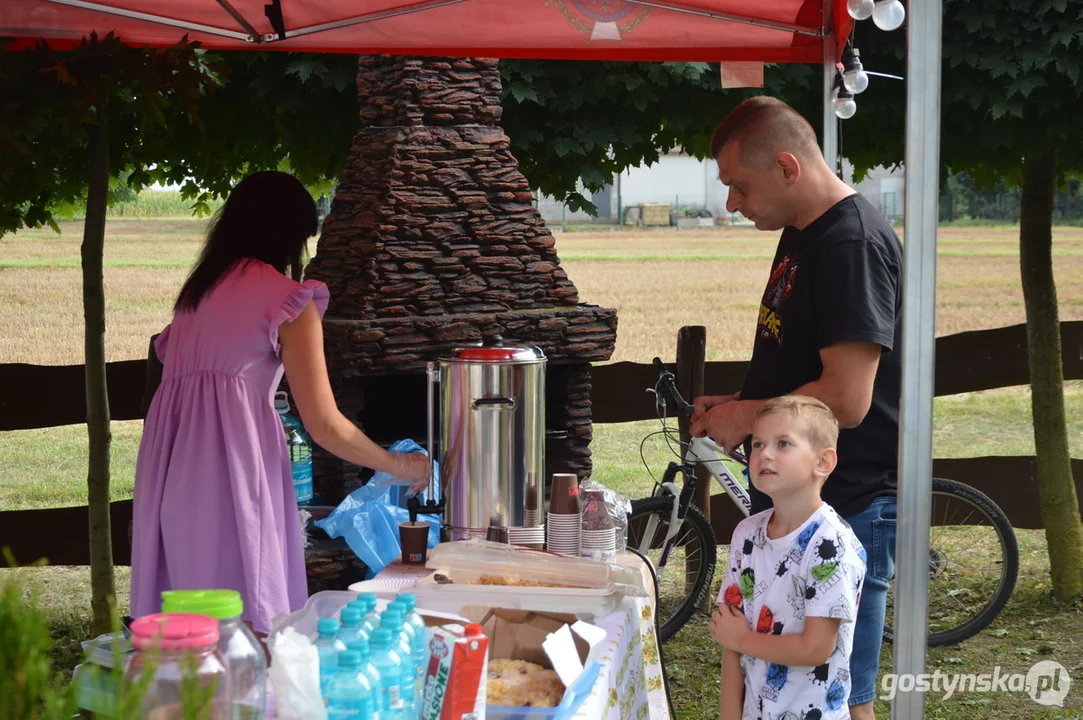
573, 700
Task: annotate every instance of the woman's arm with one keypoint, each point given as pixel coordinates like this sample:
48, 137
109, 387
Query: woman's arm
306, 370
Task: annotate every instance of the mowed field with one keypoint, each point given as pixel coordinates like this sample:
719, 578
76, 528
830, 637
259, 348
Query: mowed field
658, 281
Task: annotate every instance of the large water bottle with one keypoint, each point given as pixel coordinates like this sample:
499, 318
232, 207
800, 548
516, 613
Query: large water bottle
350, 617
349, 693
420, 642
328, 646
299, 445
393, 619
388, 662
372, 674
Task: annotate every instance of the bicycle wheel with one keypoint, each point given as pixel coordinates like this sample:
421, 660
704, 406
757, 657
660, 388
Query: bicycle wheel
973, 564
686, 575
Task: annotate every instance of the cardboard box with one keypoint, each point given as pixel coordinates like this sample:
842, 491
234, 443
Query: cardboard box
560, 642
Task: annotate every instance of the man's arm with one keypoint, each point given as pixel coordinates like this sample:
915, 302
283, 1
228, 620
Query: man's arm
731, 704
811, 648
845, 385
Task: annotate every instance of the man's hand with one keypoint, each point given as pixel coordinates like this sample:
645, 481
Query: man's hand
728, 625
705, 402
727, 424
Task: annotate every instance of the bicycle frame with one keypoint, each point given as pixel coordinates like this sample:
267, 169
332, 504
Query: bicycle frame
705, 452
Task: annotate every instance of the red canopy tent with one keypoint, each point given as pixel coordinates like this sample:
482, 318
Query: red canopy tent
775, 31
766, 31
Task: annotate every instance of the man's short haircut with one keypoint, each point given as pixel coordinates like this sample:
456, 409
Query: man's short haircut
763, 127
821, 427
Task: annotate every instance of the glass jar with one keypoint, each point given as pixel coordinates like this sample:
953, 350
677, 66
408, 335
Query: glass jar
179, 652
237, 645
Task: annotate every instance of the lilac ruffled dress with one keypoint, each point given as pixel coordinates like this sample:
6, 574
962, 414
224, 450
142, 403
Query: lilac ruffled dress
214, 499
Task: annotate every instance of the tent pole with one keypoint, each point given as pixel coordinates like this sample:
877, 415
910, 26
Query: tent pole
831, 123
147, 17
922, 162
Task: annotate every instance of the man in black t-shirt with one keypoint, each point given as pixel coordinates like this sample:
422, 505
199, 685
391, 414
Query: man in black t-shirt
829, 326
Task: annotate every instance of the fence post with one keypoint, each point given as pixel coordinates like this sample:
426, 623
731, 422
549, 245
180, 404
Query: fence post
691, 359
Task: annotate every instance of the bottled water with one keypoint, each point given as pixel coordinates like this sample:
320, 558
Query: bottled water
392, 619
388, 662
371, 621
349, 693
420, 642
351, 626
299, 445
328, 646
369, 670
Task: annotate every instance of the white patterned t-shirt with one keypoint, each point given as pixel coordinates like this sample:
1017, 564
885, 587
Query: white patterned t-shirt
815, 571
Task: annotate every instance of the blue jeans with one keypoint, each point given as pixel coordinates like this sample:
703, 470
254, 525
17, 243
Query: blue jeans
875, 528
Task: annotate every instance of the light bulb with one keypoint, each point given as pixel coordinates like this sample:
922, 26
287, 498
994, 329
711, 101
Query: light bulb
859, 9
854, 76
845, 107
888, 14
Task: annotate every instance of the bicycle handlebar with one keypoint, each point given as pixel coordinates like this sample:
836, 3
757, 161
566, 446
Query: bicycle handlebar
667, 387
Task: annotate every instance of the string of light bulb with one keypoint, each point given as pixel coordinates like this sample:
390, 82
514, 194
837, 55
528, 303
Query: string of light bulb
852, 79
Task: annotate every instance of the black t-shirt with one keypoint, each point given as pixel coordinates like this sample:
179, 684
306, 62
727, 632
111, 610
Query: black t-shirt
838, 280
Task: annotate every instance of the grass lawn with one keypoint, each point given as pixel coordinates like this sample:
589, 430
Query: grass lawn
658, 281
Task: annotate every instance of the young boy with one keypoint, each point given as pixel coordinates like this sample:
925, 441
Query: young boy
790, 593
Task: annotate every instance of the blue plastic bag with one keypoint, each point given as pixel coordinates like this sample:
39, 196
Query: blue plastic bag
369, 517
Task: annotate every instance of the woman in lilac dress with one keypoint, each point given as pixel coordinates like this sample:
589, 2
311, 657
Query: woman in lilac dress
214, 500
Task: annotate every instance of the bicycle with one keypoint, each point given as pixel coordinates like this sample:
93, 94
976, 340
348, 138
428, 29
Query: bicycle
679, 540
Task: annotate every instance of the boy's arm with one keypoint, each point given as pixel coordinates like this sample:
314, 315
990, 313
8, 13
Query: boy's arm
731, 705
730, 628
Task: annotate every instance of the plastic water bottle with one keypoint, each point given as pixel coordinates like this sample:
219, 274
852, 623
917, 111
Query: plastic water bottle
368, 669
350, 617
299, 445
420, 642
388, 662
392, 619
371, 620
417, 653
349, 694
329, 646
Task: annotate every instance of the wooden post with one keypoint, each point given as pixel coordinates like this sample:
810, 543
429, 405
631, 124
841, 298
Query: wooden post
691, 359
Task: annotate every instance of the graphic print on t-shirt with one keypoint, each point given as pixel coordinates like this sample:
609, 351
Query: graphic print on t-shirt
779, 287
815, 571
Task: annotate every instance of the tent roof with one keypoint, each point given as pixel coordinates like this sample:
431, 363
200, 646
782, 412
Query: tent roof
775, 31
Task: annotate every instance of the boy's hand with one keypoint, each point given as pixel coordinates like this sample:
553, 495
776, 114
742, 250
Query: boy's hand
728, 625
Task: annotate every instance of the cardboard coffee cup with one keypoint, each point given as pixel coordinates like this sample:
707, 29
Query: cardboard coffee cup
414, 539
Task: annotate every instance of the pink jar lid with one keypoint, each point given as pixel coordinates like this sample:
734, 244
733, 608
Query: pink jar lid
174, 631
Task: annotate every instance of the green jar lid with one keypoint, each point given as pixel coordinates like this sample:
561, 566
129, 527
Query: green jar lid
218, 604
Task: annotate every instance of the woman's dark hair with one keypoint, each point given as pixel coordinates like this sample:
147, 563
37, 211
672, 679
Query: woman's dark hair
269, 216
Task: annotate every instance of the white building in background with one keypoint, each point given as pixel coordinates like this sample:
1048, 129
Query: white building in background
682, 181
676, 179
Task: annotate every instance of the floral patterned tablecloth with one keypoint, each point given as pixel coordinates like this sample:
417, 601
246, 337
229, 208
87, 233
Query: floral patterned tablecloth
629, 686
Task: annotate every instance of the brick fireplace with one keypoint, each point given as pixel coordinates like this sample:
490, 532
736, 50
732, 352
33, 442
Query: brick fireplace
433, 242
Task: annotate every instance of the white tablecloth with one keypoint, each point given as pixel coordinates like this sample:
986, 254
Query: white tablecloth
629, 686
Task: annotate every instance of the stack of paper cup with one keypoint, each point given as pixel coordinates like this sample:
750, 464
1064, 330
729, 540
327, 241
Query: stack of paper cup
531, 537
600, 545
563, 533
563, 521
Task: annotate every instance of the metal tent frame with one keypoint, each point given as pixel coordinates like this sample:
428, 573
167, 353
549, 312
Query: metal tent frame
919, 254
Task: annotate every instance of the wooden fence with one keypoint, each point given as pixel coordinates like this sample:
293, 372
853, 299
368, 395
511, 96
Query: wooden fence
48, 396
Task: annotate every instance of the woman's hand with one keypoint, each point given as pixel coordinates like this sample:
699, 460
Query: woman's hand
413, 467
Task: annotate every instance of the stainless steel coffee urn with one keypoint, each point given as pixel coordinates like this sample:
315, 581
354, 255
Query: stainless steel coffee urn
492, 438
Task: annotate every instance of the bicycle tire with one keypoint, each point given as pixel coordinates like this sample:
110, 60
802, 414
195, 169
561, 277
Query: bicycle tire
703, 534
1009, 571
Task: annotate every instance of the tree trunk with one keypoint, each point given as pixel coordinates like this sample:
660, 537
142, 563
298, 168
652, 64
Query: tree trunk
1060, 506
97, 396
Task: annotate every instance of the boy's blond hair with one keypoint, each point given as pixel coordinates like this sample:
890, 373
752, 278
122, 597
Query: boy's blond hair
821, 427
